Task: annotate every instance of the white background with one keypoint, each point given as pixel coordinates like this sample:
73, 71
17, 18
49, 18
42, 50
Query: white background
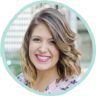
8, 8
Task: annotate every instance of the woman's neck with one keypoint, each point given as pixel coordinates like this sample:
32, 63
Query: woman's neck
44, 78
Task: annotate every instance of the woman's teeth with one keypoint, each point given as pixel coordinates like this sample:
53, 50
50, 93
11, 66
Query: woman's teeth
43, 58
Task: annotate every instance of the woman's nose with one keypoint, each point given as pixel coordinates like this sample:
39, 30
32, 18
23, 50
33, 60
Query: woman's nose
43, 48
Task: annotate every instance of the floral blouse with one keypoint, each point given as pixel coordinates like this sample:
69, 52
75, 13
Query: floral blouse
54, 87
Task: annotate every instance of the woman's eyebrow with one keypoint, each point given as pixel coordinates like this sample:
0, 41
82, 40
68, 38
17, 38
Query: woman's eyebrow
35, 36
51, 38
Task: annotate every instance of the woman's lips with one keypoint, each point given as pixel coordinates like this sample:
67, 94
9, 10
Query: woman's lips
42, 58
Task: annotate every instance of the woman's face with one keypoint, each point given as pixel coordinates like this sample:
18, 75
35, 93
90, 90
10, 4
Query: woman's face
42, 49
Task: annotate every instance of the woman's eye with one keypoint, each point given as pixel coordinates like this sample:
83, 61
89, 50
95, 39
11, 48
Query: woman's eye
36, 39
53, 42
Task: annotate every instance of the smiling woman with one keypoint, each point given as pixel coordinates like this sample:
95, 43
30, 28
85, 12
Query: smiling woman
42, 50
48, 54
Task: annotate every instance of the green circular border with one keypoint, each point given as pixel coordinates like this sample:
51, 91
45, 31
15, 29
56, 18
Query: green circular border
85, 24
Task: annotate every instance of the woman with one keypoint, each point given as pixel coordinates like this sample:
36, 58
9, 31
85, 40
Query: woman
49, 58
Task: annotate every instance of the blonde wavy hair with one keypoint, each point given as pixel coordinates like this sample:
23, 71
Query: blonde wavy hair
64, 37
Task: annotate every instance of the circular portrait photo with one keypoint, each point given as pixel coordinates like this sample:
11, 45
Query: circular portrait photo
48, 47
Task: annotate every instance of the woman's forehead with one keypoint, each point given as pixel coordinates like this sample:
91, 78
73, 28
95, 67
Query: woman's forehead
42, 30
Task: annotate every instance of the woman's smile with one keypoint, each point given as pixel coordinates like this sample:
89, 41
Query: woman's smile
42, 58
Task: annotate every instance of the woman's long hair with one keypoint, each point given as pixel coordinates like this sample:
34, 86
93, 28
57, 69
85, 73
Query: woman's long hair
64, 37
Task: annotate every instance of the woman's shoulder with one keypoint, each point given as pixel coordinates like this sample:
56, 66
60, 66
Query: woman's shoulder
68, 82
22, 78
62, 85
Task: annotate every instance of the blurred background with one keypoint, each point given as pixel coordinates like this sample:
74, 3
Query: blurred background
16, 32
